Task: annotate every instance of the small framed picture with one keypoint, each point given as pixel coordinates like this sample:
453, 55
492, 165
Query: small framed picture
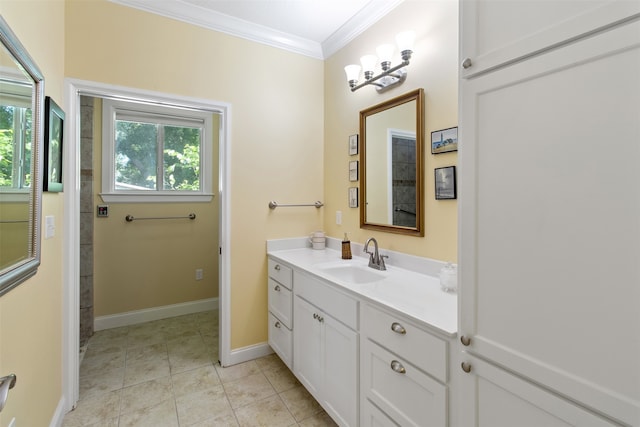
353, 144
353, 170
445, 140
53, 140
353, 197
445, 181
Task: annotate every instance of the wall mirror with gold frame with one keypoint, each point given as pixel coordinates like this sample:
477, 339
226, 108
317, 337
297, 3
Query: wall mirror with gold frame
392, 165
21, 139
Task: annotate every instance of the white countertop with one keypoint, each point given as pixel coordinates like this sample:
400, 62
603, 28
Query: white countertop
413, 294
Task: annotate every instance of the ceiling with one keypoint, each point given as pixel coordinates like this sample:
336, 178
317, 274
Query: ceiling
316, 28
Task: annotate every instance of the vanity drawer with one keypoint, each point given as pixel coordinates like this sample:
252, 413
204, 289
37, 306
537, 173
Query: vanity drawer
402, 391
280, 302
424, 350
280, 272
332, 301
281, 340
371, 416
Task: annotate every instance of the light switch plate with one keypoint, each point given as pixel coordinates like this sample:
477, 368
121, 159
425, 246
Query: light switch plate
49, 226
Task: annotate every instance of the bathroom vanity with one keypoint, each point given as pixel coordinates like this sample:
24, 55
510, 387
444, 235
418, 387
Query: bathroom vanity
371, 346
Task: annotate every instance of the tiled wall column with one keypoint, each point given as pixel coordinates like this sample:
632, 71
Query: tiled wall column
86, 219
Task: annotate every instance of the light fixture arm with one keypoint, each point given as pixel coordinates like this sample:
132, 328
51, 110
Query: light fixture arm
399, 78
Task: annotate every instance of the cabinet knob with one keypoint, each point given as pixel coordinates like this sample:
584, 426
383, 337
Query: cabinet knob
465, 340
277, 267
467, 63
397, 367
277, 325
398, 328
466, 367
276, 288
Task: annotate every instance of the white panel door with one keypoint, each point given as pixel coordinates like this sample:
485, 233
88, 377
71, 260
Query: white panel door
497, 32
497, 398
550, 219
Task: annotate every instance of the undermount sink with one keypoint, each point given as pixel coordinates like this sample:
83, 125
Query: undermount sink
352, 273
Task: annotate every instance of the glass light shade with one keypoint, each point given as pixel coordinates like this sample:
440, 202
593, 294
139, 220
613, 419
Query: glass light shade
369, 62
352, 71
405, 40
385, 52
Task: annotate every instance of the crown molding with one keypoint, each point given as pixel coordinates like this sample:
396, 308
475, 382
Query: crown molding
206, 18
355, 26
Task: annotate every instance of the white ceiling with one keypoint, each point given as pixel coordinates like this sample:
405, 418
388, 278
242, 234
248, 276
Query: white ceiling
316, 28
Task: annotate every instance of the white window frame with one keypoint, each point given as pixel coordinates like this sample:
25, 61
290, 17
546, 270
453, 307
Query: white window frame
129, 108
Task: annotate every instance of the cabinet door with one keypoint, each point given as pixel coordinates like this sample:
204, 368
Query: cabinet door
307, 346
495, 398
549, 230
341, 371
495, 33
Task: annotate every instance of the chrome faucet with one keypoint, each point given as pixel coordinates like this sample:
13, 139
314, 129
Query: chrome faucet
375, 259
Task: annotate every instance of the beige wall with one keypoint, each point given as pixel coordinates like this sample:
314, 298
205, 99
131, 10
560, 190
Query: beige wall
276, 101
145, 264
434, 68
31, 314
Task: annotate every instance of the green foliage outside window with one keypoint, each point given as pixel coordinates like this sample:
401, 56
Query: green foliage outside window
136, 156
15, 147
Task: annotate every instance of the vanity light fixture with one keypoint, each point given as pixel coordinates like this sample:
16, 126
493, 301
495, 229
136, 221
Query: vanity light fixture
390, 76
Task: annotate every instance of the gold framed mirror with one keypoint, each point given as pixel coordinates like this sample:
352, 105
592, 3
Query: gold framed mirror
21, 140
392, 165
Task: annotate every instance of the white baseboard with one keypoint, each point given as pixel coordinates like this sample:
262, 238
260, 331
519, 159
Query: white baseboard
58, 415
155, 313
245, 354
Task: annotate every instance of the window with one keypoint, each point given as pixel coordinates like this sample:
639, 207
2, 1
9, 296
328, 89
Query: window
155, 153
15, 137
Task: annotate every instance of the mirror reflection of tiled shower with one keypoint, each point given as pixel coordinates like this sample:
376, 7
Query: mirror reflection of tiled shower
403, 158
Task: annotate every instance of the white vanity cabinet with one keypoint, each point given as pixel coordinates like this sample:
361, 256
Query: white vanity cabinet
280, 297
404, 371
548, 252
326, 346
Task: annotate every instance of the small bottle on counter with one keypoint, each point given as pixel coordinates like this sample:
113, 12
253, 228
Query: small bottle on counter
346, 247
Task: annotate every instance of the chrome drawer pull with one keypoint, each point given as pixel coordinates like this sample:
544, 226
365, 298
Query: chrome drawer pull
398, 328
277, 267
277, 325
466, 367
397, 367
465, 340
276, 288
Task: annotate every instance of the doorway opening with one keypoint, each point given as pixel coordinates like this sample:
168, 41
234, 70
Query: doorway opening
80, 203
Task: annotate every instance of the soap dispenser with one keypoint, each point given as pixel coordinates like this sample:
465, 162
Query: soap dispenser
346, 247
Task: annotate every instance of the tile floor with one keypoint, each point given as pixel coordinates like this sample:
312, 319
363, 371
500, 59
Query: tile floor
165, 373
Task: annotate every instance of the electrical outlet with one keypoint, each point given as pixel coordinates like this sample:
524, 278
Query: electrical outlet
338, 217
199, 274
